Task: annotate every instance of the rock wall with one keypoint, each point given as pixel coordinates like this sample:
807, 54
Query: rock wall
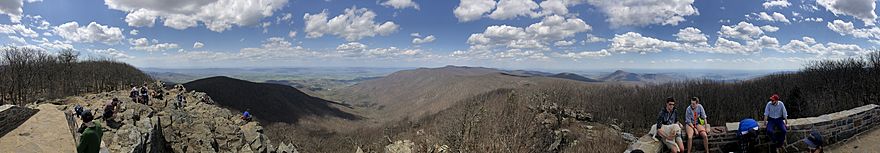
835, 127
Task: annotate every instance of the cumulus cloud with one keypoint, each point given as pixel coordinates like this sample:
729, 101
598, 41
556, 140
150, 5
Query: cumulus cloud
860, 9
353, 25
809, 45
400, 4
93, 32
198, 45
564, 43
776, 3
692, 36
632, 42
742, 30
19, 29
16, 39
508, 9
150, 45
291, 34
584, 54
133, 32
216, 15
535, 36
426, 39
769, 28
642, 12
12, 8
358, 50
558, 7
772, 17
470, 10
112, 53
847, 28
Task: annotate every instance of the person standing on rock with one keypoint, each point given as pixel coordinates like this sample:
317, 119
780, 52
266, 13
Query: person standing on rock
134, 93
145, 94
775, 115
668, 127
695, 119
90, 134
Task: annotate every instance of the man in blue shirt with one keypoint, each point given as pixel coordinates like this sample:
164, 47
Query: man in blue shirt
775, 115
668, 127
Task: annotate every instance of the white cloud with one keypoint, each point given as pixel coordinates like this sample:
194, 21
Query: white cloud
809, 45
564, 43
725, 46
558, 7
860, 9
93, 32
56, 44
636, 43
216, 15
641, 12
769, 28
847, 28
401, 4
776, 3
112, 53
692, 36
509, 9
773, 17
470, 10
584, 54
133, 32
592, 38
150, 46
353, 25
426, 39
535, 36
16, 39
742, 30
18, 28
198, 45
12, 8
291, 34
358, 50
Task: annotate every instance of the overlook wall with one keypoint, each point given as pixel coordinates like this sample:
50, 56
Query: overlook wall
835, 127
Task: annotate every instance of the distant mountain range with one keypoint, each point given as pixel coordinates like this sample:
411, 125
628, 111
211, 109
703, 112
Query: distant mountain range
269, 102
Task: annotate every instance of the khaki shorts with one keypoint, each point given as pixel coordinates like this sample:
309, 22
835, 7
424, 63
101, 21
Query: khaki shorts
668, 130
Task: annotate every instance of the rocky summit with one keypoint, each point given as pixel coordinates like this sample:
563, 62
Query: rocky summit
197, 126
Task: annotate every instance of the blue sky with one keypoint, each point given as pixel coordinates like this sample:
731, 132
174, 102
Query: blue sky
540, 34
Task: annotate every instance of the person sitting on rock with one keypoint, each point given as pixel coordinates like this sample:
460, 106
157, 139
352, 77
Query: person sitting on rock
246, 116
668, 127
110, 109
91, 133
775, 115
695, 119
815, 142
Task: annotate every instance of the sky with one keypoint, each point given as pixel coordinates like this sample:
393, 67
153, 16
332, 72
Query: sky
524, 34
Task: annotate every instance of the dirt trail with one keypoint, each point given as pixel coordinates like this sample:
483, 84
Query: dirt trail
865, 142
46, 131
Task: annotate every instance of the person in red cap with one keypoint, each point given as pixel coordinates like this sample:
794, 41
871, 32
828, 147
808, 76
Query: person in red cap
775, 115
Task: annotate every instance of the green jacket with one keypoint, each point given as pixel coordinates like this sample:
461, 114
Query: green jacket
90, 140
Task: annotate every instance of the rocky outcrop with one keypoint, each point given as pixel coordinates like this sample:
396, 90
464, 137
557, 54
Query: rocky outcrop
399, 146
197, 126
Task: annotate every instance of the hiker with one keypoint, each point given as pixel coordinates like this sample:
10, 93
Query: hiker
134, 93
110, 109
145, 94
77, 110
668, 127
748, 135
246, 116
180, 100
775, 115
814, 141
695, 119
91, 133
